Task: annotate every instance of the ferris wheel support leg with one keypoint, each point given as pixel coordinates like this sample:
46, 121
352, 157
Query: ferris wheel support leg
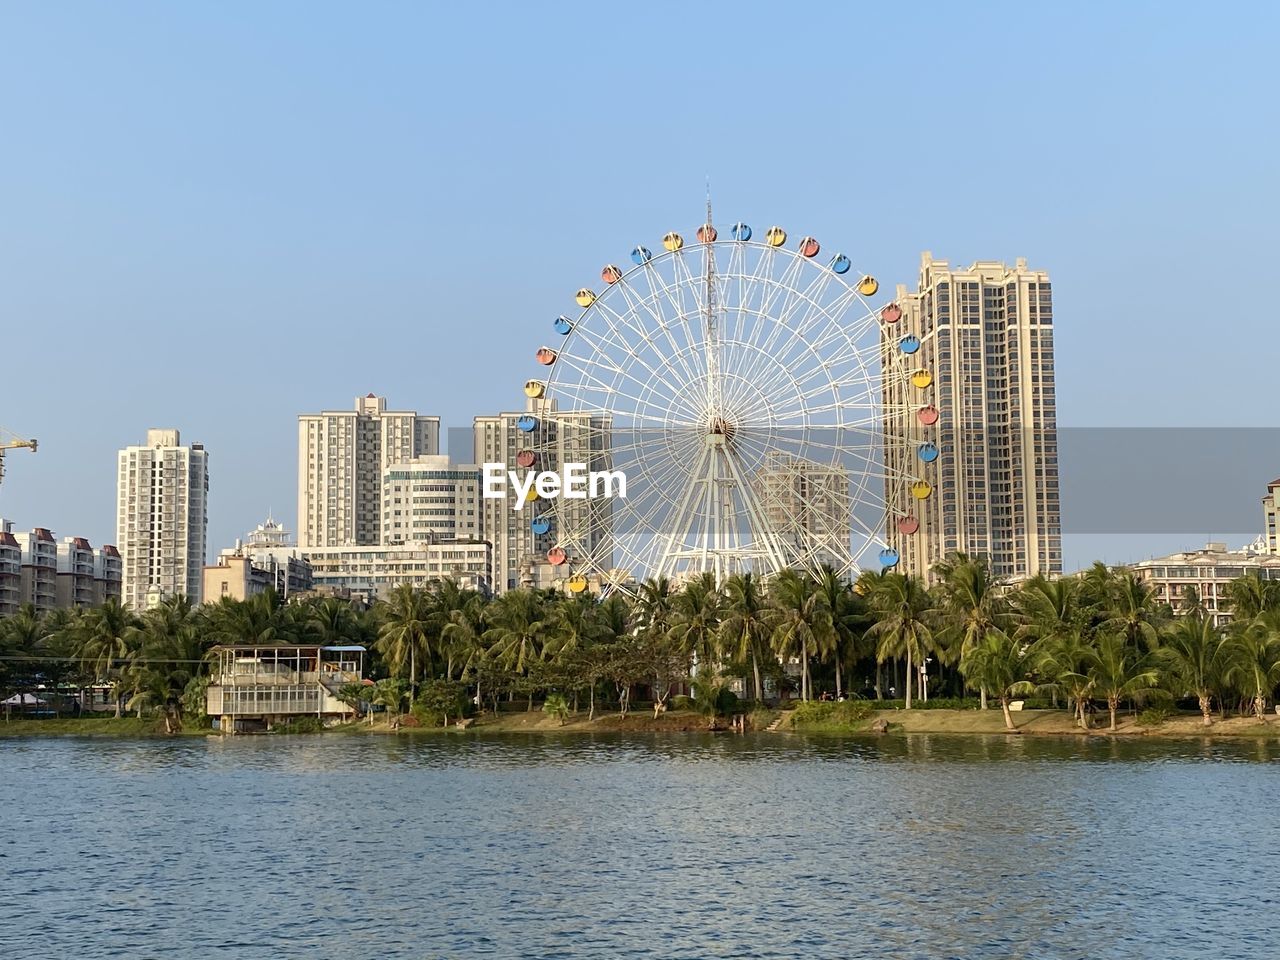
680, 521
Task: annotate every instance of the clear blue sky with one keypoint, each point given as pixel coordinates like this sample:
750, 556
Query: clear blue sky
215, 216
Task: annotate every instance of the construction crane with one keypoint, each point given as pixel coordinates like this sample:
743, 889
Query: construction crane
11, 441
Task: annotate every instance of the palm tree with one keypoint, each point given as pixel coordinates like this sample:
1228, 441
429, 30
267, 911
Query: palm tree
22, 636
332, 621
573, 625
1063, 656
1002, 665
447, 598
902, 608
1190, 603
802, 623
970, 608
1255, 659
406, 632
1195, 657
256, 620
849, 623
746, 625
1120, 670
170, 653
1049, 613
463, 636
695, 621
1132, 608
518, 631
1248, 597
106, 635
655, 604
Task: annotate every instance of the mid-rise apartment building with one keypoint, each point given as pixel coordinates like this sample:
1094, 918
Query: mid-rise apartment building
1208, 572
36, 568
580, 526
342, 457
162, 492
428, 498
982, 339
373, 571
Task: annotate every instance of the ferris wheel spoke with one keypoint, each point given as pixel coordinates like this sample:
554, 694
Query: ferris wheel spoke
606, 393
630, 355
636, 302
664, 375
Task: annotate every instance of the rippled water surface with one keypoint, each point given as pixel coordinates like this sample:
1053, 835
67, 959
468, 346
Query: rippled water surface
681, 846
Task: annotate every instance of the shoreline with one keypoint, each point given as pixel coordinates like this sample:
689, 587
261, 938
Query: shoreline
943, 722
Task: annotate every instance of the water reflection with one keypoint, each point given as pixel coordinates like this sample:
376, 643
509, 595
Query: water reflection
639, 846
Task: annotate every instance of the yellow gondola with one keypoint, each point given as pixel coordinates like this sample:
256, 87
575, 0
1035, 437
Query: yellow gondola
921, 489
775, 236
673, 241
585, 297
534, 389
868, 286
921, 378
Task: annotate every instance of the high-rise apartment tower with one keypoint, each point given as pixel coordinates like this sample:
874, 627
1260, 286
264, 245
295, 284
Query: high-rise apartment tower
342, 456
986, 335
162, 493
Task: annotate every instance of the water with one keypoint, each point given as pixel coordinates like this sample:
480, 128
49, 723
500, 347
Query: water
684, 846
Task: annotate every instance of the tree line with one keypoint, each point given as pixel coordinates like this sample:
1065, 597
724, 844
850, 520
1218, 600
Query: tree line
1099, 637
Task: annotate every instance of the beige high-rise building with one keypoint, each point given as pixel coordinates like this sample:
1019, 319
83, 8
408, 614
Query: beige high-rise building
162, 493
342, 456
519, 554
985, 334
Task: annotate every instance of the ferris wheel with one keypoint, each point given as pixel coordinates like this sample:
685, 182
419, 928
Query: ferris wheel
738, 381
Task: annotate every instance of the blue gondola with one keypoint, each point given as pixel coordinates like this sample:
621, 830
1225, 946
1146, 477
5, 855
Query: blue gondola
888, 557
841, 263
928, 452
909, 345
563, 325
641, 255
540, 525
528, 423
741, 232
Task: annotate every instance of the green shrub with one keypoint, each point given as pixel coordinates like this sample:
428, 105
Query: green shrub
1153, 716
760, 718
682, 702
557, 706
832, 714
299, 725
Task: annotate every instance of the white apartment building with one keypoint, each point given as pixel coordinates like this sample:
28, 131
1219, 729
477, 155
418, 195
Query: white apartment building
162, 493
427, 498
1209, 571
374, 570
520, 554
982, 339
342, 456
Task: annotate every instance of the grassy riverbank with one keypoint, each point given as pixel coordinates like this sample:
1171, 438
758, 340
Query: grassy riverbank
900, 722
